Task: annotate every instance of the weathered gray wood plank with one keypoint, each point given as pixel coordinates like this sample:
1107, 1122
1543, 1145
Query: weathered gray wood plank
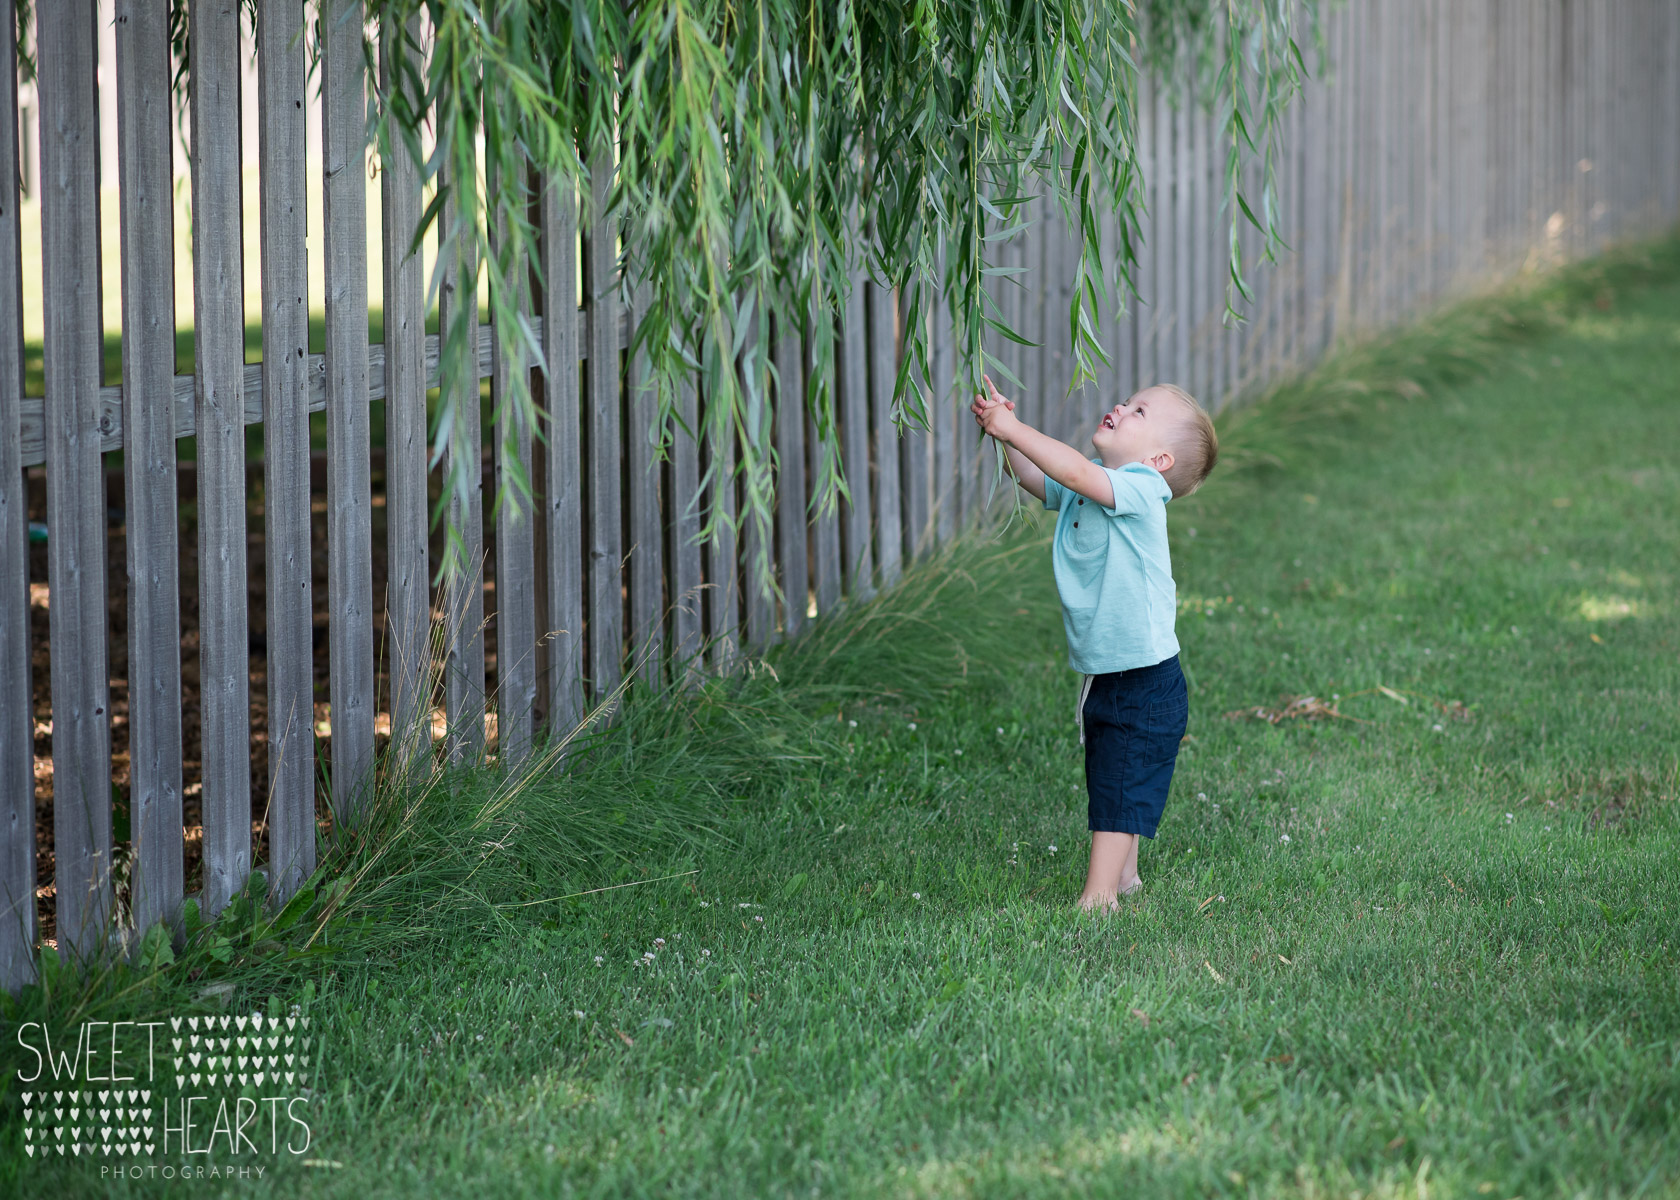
606, 573
723, 590
758, 544
148, 341
827, 577
854, 432
463, 582
915, 466
792, 540
17, 744
947, 416
516, 568
81, 743
349, 494
562, 350
1146, 251
687, 557
647, 531
1201, 245
282, 97
408, 571
1183, 250
219, 418
889, 513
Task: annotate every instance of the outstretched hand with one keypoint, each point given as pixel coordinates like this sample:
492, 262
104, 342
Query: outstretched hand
994, 413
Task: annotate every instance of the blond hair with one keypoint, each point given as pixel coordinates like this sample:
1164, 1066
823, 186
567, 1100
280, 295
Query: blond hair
1195, 447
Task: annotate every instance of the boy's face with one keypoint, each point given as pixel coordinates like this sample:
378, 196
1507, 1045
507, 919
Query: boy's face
1139, 429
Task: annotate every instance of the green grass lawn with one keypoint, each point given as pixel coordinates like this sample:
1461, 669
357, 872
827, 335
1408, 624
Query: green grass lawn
1427, 949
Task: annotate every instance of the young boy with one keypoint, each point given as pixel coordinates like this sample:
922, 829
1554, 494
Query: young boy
1118, 601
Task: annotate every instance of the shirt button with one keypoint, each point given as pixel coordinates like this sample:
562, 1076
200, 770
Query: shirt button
1076, 524
1082, 502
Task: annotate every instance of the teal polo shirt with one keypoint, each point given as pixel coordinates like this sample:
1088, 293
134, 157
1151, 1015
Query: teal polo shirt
1113, 572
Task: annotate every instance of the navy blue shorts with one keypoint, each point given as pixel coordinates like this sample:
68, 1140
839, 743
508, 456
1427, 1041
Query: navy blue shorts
1133, 723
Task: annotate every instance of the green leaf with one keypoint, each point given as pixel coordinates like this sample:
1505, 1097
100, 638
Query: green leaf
793, 885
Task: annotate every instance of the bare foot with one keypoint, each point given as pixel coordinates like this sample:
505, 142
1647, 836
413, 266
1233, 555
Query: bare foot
1099, 903
1131, 887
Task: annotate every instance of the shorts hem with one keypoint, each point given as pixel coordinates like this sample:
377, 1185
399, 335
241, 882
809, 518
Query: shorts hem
1141, 828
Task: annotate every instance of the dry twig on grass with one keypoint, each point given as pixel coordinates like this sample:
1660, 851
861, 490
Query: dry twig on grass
1306, 708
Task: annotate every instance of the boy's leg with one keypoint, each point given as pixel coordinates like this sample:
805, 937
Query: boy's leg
1129, 872
1113, 866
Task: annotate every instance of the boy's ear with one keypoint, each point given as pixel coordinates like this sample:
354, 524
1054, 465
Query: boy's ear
1162, 462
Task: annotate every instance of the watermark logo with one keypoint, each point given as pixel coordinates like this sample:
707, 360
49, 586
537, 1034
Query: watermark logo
185, 1089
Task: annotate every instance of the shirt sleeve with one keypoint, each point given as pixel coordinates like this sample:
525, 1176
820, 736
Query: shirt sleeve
1053, 493
1136, 488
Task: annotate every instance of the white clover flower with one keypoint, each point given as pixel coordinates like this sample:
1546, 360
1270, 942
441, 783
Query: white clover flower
1216, 808
1000, 730
1283, 837
705, 954
481, 1037
853, 724
959, 752
1221, 899
705, 904
648, 954
1438, 728
912, 727
658, 941
578, 1013
599, 960
1379, 908
915, 895
1201, 795
759, 919
1509, 818
1052, 847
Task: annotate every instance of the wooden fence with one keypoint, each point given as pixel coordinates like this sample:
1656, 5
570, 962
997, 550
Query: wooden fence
1450, 144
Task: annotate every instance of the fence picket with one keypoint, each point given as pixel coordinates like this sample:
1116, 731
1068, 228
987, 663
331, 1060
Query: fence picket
408, 566
758, 545
148, 340
606, 573
76, 554
792, 547
349, 487
859, 560
687, 571
647, 557
723, 593
516, 568
462, 588
18, 929
563, 477
281, 84
889, 513
826, 575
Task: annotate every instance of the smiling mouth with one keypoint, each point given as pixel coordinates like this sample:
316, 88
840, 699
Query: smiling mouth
1108, 421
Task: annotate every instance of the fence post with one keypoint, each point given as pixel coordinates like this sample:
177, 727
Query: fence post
17, 741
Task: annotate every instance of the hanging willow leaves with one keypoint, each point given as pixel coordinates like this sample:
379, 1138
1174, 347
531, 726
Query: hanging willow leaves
766, 150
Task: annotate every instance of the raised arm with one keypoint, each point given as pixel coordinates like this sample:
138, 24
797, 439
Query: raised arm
1033, 455
1028, 476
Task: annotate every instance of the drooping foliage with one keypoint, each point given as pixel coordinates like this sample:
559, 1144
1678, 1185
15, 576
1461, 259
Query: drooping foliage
767, 151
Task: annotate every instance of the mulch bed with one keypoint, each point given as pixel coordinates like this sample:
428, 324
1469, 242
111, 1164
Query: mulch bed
191, 726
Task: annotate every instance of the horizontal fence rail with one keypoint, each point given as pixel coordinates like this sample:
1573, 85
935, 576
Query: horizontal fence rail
1446, 146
